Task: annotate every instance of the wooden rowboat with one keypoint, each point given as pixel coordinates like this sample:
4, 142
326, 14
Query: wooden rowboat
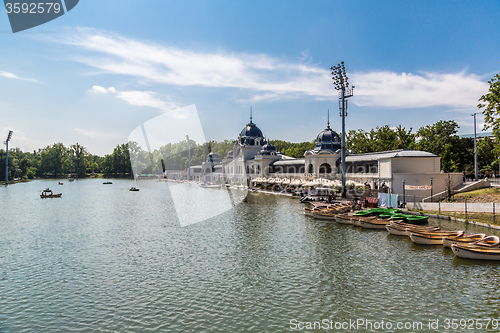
343, 218
431, 238
462, 239
487, 248
399, 228
373, 223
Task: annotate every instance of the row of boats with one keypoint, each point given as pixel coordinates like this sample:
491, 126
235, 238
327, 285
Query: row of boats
464, 245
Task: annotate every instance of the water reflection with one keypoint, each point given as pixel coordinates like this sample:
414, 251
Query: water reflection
104, 258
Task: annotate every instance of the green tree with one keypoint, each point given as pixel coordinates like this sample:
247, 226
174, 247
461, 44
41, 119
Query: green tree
490, 103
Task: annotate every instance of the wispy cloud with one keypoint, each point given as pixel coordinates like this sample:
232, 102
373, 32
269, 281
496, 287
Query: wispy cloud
15, 77
19, 139
141, 98
266, 78
389, 89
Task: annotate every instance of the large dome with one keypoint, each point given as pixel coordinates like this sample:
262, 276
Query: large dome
328, 140
251, 131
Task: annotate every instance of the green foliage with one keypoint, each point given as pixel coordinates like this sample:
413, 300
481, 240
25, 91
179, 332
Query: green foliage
380, 139
441, 139
291, 149
490, 102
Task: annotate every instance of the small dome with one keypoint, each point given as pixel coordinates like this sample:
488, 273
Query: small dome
328, 140
213, 158
268, 149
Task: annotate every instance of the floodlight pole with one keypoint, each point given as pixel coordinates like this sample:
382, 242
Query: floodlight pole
475, 148
7, 158
342, 84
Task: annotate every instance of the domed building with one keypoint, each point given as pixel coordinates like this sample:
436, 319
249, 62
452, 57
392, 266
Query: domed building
250, 157
254, 157
328, 140
323, 158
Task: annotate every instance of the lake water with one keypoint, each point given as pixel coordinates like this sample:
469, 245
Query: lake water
104, 259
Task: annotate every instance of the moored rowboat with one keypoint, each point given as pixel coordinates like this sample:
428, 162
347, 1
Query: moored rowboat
431, 238
487, 248
462, 239
343, 218
399, 228
373, 223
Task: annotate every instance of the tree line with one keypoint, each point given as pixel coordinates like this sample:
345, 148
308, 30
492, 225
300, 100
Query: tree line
457, 153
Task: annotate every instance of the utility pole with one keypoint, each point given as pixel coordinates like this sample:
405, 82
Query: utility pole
342, 84
7, 158
475, 148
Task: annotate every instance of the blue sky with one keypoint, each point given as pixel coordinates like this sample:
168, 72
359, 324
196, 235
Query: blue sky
96, 73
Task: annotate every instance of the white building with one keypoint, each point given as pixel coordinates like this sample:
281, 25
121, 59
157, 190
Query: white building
254, 157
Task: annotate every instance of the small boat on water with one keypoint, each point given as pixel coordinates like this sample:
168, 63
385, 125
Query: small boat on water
462, 239
47, 193
432, 237
107, 183
344, 218
487, 248
417, 219
324, 215
60, 183
356, 220
375, 223
134, 189
399, 228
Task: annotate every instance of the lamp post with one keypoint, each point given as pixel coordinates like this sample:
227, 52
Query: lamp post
342, 85
189, 158
475, 147
404, 193
432, 199
7, 158
77, 159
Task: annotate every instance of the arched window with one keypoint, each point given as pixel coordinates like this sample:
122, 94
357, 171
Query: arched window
325, 168
302, 169
311, 169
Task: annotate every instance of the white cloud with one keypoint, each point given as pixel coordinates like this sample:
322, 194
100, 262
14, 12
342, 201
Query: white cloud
164, 64
15, 77
102, 90
142, 98
266, 77
389, 89
18, 139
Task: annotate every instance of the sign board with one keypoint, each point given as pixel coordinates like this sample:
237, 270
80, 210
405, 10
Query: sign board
418, 187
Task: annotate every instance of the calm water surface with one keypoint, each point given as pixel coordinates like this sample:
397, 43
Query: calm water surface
104, 259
